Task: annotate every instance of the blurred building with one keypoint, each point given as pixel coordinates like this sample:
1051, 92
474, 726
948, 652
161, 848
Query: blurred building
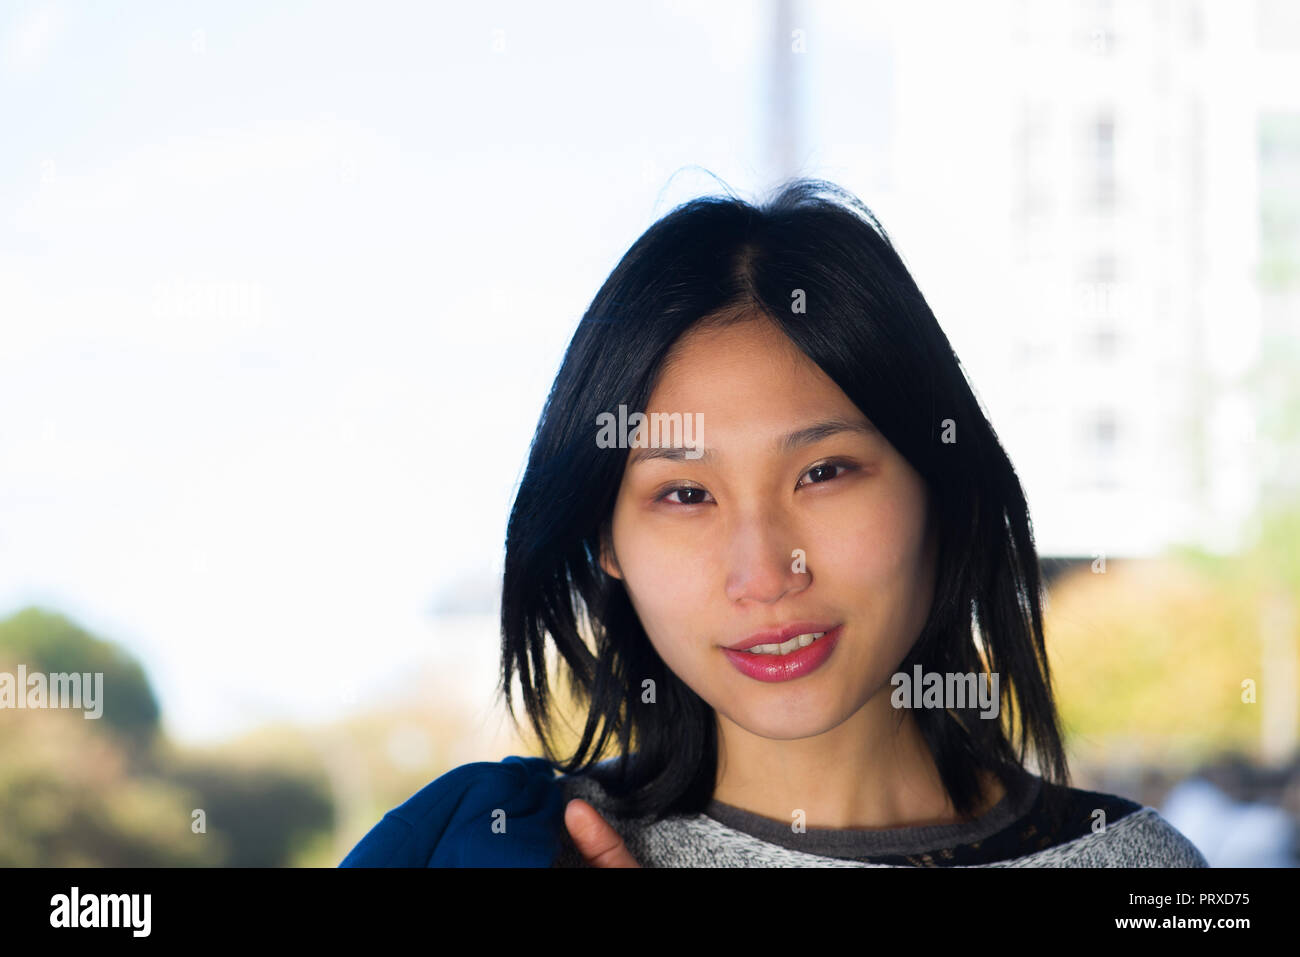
1148, 157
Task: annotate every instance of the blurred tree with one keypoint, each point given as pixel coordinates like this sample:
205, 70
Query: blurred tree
1148, 658
69, 798
48, 642
266, 815
113, 792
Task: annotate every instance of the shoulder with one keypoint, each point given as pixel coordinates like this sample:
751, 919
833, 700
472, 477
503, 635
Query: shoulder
1106, 830
1152, 841
590, 786
1142, 839
596, 785
484, 814
673, 840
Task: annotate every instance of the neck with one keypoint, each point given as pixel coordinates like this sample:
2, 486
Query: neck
873, 770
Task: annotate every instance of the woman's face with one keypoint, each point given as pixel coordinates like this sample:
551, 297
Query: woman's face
828, 529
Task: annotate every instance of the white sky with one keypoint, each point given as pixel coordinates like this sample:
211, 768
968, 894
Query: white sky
282, 293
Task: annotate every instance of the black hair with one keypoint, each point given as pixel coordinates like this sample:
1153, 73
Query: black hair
870, 330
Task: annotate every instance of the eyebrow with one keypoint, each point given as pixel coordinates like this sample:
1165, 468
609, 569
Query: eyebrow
783, 445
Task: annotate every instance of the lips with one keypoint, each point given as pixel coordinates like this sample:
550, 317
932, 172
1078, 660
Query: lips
777, 668
779, 636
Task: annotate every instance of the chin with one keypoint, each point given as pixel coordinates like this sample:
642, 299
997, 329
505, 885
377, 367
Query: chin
775, 726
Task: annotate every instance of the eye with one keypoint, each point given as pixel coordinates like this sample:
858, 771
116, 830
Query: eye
826, 472
686, 491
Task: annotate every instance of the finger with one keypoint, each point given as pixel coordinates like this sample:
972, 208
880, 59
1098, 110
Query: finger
598, 843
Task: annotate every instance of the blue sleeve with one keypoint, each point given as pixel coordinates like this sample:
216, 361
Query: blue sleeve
486, 814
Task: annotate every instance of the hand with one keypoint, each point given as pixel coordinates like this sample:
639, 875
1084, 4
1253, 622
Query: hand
597, 842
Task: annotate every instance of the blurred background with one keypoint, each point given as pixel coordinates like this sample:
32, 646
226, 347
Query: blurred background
282, 292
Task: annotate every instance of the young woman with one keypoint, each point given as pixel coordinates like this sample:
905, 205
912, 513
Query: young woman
798, 596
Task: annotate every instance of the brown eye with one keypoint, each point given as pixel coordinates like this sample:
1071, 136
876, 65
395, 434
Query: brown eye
690, 495
825, 472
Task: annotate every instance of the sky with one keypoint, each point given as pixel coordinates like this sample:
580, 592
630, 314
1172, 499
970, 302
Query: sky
282, 292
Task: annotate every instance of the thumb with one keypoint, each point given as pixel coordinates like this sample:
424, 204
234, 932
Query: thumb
597, 842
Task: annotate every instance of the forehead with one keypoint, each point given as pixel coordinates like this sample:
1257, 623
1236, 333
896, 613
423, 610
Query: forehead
746, 368
750, 335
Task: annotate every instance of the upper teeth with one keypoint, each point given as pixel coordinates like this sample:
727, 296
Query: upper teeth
798, 641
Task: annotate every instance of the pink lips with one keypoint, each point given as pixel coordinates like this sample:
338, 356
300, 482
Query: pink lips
796, 664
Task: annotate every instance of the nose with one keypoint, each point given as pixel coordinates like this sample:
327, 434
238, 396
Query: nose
761, 559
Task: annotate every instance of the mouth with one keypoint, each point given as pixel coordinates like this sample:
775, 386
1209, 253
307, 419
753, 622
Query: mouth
784, 640
794, 644
801, 652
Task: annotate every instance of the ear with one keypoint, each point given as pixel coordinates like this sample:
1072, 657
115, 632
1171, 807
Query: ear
608, 561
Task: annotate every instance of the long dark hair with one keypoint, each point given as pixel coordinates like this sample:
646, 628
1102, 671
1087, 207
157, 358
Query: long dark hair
868, 327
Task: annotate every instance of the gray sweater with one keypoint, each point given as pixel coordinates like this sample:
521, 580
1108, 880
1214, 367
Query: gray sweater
726, 836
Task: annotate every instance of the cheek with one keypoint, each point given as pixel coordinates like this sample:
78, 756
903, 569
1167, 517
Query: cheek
654, 560
875, 541
668, 583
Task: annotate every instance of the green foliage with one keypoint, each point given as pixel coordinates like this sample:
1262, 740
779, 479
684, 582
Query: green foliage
1148, 659
70, 798
110, 792
48, 642
268, 816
